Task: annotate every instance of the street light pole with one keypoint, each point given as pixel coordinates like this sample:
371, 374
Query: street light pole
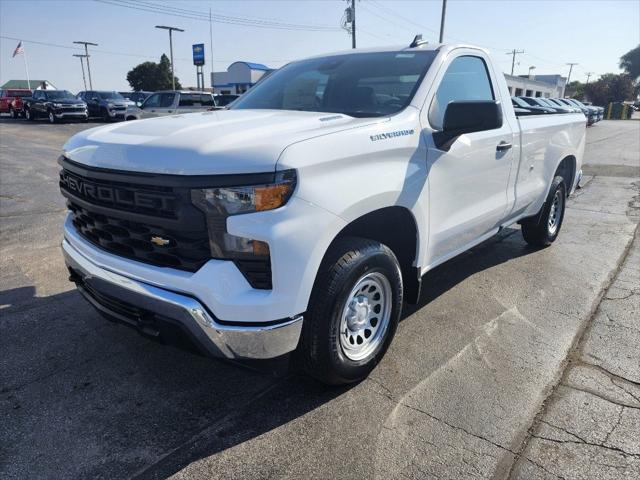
171, 29
444, 12
86, 52
84, 80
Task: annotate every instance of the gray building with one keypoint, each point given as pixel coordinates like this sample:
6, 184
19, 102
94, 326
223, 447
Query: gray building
536, 86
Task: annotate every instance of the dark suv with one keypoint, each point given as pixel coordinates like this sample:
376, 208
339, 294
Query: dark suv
106, 105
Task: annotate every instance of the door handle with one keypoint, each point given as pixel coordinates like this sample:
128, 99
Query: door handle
169, 111
503, 146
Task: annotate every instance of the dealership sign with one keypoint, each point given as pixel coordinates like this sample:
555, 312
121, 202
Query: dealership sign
198, 54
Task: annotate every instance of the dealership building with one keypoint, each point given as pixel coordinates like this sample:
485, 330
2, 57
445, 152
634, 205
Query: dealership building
536, 86
239, 77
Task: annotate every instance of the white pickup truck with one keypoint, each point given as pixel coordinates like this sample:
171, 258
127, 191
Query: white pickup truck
302, 217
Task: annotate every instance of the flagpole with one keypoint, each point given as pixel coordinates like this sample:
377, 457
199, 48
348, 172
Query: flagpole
26, 66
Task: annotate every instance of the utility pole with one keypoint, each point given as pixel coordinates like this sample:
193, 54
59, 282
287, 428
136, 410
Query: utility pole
353, 23
86, 52
80, 56
570, 69
531, 68
210, 48
444, 12
514, 52
171, 29
588, 77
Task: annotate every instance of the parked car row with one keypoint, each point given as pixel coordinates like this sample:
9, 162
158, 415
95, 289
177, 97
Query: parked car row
541, 105
60, 105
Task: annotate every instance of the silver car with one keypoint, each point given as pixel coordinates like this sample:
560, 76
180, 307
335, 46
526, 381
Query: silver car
172, 102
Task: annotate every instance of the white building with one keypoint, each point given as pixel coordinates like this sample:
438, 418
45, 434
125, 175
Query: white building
239, 77
536, 86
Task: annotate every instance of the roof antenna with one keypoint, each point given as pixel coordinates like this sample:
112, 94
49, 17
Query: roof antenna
417, 41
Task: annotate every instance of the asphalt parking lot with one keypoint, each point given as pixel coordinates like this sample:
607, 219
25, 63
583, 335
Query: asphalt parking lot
518, 363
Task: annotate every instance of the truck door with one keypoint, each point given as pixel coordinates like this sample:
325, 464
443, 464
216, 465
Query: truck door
467, 184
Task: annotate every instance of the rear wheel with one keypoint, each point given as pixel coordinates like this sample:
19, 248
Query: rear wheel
353, 313
543, 229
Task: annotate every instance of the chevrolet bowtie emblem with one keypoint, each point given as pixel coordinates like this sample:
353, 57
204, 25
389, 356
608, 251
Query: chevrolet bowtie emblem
159, 241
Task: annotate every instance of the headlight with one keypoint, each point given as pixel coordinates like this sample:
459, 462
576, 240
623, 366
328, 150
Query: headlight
57, 105
221, 202
110, 105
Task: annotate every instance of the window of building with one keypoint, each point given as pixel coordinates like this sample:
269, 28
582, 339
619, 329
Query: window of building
529, 93
518, 92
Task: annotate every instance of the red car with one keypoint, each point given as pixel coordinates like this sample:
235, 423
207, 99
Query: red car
11, 101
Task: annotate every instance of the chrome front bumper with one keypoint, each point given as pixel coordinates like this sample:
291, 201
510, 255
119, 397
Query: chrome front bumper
129, 300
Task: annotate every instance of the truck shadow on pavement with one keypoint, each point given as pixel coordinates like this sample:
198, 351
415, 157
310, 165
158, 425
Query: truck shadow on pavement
85, 398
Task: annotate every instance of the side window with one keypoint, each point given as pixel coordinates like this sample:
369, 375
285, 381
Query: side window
166, 100
466, 78
208, 101
189, 100
153, 101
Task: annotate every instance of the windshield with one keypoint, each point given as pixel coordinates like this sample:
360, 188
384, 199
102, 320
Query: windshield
57, 94
359, 85
520, 102
110, 96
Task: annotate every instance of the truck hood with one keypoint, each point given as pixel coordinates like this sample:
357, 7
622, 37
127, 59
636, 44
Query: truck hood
205, 143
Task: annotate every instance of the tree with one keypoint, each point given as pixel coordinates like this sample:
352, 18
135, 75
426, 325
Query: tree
630, 62
610, 87
152, 76
575, 90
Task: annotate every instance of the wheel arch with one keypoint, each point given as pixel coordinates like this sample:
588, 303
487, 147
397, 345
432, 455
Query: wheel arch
567, 170
395, 227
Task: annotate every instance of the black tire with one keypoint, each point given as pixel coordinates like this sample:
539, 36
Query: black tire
51, 117
105, 115
349, 262
28, 114
543, 229
13, 113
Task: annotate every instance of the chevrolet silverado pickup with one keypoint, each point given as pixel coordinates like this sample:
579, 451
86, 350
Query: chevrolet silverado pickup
55, 105
11, 101
303, 217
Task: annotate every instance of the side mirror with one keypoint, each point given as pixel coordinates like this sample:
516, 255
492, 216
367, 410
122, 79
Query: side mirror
467, 117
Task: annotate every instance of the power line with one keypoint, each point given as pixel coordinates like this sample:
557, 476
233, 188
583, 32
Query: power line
204, 16
108, 52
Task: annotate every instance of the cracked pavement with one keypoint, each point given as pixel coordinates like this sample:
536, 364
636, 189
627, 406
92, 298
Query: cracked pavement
517, 363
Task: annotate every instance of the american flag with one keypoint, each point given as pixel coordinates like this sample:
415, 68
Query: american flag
19, 49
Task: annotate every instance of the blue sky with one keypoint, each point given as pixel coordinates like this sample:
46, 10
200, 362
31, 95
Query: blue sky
594, 33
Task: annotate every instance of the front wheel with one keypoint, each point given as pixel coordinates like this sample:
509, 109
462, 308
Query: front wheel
52, 117
13, 113
544, 228
28, 114
353, 313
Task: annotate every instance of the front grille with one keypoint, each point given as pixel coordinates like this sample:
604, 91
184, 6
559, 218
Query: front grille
183, 250
150, 218
155, 224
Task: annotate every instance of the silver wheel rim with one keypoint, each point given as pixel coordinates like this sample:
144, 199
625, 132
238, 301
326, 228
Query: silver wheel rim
51, 117
27, 114
365, 316
555, 212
